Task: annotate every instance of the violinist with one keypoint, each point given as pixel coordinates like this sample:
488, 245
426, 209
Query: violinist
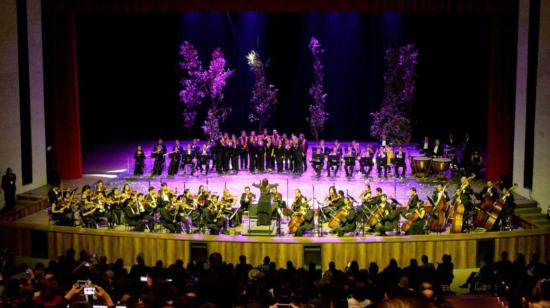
150, 201
366, 196
167, 217
116, 204
366, 161
277, 198
127, 193
416, 214
318, 161
163, 195
226, 203
60, 211
177, 208
139, 158
389, 219
348, 222
100, 187
215, 219
158, 155
175, 159
133, 215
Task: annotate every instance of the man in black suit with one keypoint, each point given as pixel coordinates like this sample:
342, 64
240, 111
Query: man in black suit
437, 150
399, 162
317, 161
8, 186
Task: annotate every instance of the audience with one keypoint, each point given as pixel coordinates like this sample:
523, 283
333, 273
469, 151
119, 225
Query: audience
68, 280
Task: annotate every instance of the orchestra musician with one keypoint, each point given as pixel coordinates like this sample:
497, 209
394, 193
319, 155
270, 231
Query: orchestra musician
299, 200
489, 190
348, 222
389, 219
333, 161
60, 211
133, 215
166, 216
318, 161
277, 199
226, 203
349, 162
416, 214
214, 217
506, 199
440, 193
175, 159
246, 200
366, 197
204, 159
437, 150
382, 162
333, 202
188, 164
139, 158
425, 146
307, 213
400, 162
366, 161
389, 159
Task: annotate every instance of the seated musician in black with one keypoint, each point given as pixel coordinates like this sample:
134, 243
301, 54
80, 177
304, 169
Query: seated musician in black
188, 163
167, 219
399, 158
438, 194
318, 161
246, 199
333, 201
348, 223
175, 159
277, 200
415, 209
489, 191
382, 162
366, 161
264, 203
349, 162
133, 216
61, 214
333, 161
389, 219
307, 225
139, 158
214, 218
203, 159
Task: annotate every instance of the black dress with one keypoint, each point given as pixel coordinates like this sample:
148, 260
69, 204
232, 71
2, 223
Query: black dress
264, 204
140, 163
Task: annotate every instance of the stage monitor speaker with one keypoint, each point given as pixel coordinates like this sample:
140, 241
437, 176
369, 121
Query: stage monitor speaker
485, 247
199, 252
39, 244
312, 253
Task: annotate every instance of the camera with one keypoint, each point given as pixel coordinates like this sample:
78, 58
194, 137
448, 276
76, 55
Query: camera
89, 290
143, 278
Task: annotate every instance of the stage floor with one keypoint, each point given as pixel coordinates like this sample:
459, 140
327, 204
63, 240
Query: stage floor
114, 163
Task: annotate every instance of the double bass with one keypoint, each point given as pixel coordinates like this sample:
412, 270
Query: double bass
439, 216
495, 211
458, 207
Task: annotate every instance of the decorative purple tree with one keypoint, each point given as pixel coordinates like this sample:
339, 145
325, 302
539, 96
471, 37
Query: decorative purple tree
194, 90
317, 114
264, 95
393, 118
216, 77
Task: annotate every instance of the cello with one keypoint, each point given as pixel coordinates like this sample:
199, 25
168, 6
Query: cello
297, 220
495, 211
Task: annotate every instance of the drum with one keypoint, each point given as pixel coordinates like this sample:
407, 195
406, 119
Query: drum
412, 162
441, 164
422, 164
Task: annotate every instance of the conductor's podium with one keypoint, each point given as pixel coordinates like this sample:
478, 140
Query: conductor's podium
251, 226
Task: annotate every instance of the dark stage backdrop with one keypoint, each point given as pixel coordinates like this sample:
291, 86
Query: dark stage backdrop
128, 74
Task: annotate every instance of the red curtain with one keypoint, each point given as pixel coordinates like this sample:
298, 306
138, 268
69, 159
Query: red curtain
501, 96
66, 148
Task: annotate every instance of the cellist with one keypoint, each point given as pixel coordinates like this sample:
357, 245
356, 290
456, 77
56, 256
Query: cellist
389, 219
416, 214
307, 224
348, 223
